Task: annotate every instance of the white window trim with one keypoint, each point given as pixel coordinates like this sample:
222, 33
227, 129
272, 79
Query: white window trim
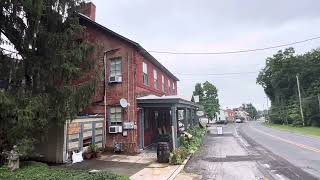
145, 73
155, 79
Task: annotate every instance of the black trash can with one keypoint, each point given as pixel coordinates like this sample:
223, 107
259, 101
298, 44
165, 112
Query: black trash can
163, 152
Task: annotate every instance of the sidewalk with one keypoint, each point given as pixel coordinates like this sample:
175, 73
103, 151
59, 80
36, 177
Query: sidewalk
224, 157
142, 166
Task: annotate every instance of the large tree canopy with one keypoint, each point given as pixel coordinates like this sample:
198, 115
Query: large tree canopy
278, 79
43, 52
208, 98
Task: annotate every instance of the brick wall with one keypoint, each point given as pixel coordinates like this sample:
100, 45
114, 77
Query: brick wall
131, 86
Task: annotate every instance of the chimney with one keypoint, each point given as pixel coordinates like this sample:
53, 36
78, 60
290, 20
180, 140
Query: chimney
89, 9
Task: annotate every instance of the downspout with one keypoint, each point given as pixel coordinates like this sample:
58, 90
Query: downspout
105, 100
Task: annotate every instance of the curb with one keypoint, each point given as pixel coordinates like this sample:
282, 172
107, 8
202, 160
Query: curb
178, 170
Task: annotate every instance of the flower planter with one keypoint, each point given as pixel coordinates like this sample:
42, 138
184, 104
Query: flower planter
88, 155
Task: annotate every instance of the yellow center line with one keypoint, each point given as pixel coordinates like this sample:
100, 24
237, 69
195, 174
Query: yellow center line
288, 141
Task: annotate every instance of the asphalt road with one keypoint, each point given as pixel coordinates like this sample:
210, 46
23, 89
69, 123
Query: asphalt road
222, 157
291, 155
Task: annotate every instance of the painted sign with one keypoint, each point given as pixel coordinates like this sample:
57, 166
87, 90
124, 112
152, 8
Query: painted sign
200, 113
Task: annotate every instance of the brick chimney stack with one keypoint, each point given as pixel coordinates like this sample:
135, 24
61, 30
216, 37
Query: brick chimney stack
89, 9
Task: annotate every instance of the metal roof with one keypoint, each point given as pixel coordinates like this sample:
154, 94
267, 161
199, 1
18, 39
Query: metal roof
136, 45
158, 100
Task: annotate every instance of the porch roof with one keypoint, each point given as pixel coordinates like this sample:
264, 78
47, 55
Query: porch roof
165, 101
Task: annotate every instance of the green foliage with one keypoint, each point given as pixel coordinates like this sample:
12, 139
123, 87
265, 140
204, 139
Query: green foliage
35, 171
44, 75
188, 146
249, 108
278, 79
93, 148
208, 98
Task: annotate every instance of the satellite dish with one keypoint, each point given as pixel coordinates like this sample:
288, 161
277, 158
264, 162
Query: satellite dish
123, 103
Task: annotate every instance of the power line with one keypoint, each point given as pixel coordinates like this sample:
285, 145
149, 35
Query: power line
216, 74
237, 51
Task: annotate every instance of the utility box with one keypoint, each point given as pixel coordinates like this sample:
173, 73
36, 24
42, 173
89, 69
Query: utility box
219, 130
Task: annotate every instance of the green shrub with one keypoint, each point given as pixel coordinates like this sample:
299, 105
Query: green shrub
188, 146
35, 171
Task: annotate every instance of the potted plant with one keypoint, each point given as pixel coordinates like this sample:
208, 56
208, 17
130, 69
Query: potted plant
89, 153
93, 148
99, 152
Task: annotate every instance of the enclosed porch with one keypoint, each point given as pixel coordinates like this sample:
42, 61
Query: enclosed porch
165, 118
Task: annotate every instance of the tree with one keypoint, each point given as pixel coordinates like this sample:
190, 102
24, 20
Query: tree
43, 54
278, 79
198, 91
249, 108
208, 98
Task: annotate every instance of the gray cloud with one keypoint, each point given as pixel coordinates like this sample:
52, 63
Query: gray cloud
216, 26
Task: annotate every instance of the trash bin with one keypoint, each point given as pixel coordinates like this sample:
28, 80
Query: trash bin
219, 130
163, 152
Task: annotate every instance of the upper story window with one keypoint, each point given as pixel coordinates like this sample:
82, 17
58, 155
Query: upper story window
115, 70
173, 86
155, 79
163, 84
115, 67
115, 115
145, 74
169, 85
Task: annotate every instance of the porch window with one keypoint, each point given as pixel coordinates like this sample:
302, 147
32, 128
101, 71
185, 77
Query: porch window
115, 116
145, 74
163, 84
115, 67
155, 77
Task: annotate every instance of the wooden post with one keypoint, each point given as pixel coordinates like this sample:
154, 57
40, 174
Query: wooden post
174, 127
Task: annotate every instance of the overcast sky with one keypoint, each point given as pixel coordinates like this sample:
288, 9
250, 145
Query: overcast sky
213, 26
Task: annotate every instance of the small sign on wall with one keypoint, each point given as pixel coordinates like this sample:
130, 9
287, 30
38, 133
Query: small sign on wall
125, 133
128, 125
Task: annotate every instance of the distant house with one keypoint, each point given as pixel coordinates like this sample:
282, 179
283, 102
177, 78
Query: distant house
221, 116
230, 115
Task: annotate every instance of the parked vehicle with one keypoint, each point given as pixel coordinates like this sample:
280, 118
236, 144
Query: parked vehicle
239, 121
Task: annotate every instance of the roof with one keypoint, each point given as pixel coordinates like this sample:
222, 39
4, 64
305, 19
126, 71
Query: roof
136, 45
157, 100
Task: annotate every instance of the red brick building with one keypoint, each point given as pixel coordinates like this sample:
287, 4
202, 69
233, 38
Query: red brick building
131, 72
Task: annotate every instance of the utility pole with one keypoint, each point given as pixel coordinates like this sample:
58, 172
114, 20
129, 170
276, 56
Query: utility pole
268, 109
319, 102
301, 111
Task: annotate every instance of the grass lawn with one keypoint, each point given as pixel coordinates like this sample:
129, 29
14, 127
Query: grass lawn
309, 131
39, 171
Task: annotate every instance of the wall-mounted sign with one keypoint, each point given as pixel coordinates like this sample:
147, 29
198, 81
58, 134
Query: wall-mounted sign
128, 125
200, 113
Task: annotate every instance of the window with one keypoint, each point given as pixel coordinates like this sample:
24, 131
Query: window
169, 86
173, 87
163, 84
155, 77
115, 67
115, 116
145, 74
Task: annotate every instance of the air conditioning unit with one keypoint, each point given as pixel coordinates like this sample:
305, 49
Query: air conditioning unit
115, 129
115, 79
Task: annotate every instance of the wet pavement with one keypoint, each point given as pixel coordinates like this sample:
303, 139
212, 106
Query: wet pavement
224, 157
284, 154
